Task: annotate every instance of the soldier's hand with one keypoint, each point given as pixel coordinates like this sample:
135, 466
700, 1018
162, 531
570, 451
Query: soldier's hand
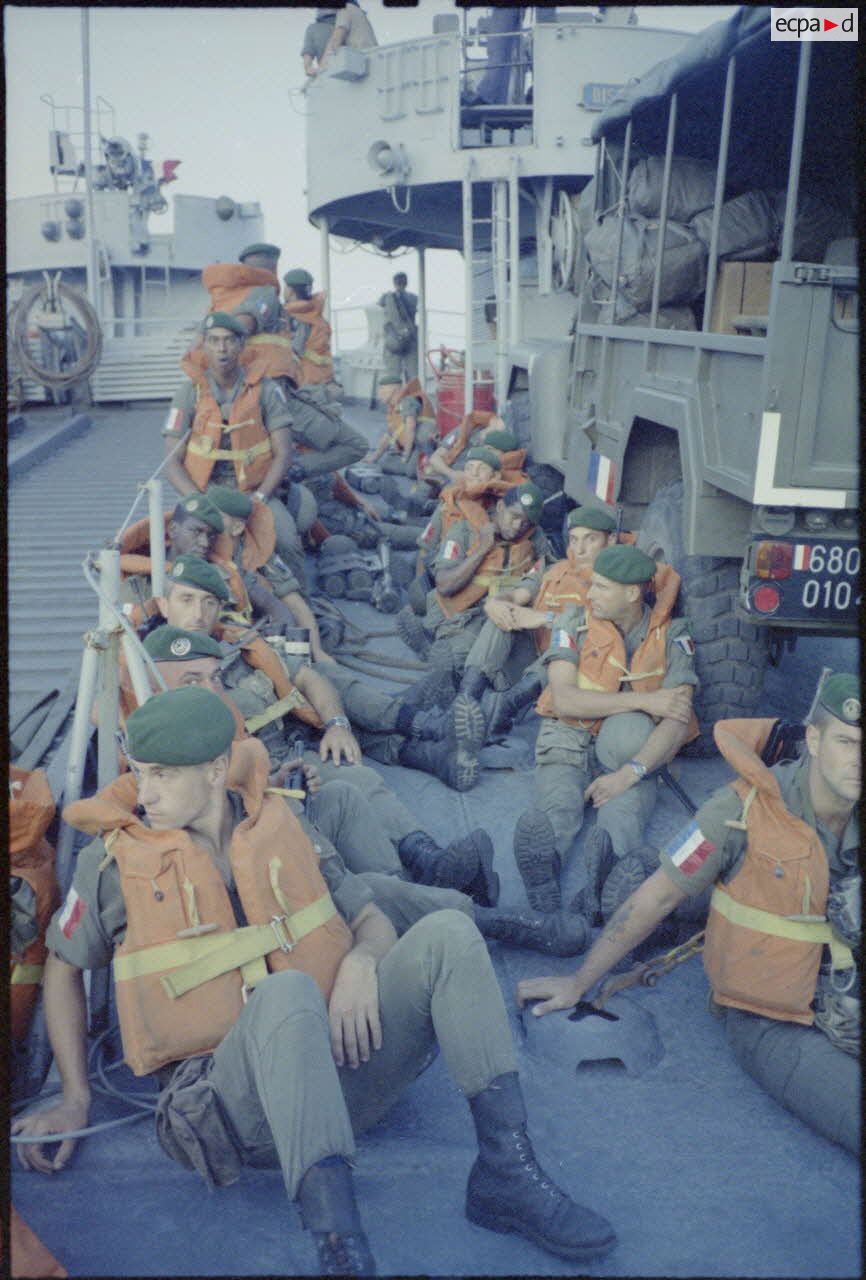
669, 704
500, 614
607, 786
64, 1118
337, 743
551, 994
353, 1010
312, 778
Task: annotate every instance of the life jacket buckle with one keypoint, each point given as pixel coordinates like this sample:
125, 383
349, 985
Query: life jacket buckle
276, 923
246, 991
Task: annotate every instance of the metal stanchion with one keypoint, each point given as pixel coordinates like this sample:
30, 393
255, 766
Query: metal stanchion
157, 537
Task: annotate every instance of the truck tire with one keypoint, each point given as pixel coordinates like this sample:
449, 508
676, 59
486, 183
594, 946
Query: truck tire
730, 653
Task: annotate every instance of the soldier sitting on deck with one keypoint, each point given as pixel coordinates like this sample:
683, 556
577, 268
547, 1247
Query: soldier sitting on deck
618, 704
341, 1011
781, 847
374, 833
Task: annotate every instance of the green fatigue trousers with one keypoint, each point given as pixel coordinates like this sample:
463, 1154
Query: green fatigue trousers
373, 712
329, 442
801, 1069
566, 761
276, 1081
289, 546
459, 633
342, 814
503, 656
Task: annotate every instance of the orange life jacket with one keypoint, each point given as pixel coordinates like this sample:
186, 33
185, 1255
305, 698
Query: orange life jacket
602, 666
766, 927
316, 365
561, 586
505, 564
28, 1256
230, 284
31, 809
135, 558
251, 451
258, 542
183, 967
258, 653
425, 414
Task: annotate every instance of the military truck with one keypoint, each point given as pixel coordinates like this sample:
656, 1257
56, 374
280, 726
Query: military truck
712, 387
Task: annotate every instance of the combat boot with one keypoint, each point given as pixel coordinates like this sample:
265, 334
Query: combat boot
626, 875
507, 705
326, 1198
465, 864
599, 859
509, 1191
445, 760
435, 689
537, 860
411, 631
559, 933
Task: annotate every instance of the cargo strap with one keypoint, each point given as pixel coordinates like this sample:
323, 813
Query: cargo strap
277, 709
649, 971
26, 974
198, 960
817, 929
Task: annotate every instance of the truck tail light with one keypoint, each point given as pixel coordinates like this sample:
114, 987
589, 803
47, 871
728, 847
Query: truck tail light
774, 560
765, 599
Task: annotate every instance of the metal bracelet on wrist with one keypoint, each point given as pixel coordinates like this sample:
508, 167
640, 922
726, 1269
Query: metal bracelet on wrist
337, 722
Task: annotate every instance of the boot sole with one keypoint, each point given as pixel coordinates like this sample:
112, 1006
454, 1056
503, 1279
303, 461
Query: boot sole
506, 1225
465, 772
413, 636
537, 862
468, 722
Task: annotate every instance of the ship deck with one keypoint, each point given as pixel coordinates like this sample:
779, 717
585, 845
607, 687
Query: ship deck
699, 1171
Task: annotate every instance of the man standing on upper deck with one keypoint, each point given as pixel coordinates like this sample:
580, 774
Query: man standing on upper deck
316, 39
352, 28
401, 336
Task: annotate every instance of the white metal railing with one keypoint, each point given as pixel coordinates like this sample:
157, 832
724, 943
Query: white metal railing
351, 329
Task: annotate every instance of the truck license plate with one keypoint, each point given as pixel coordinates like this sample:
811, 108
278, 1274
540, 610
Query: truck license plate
823, 584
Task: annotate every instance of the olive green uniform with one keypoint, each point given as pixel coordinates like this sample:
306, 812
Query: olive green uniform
568, 758
461, 632
400, 366
271, 1094
797, 1065
253, 693
276, 414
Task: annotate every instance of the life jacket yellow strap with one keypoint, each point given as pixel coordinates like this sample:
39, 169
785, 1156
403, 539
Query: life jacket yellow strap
268, 339
26, 974
231, 615
817, 930
236, 426
277, 709
194, 961
315, 358
285, 791
204, 448
628, 675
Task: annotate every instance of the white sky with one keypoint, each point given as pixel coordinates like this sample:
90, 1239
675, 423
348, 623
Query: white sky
211, 88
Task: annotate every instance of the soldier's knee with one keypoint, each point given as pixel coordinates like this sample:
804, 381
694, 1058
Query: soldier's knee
281, 994
448, 930
620, 737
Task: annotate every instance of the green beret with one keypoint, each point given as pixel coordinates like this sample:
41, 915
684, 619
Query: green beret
222, 320
840, 695
505, 441
181, 726
232, 502
592, 518
200, 506
173, 644
530, 498
625, 564
482, 454
298, 275
268, 251
196, 572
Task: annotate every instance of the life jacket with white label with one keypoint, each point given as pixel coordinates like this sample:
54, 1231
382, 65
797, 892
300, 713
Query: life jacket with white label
183, 969
31, 857
766, 926
251, 452
602, 666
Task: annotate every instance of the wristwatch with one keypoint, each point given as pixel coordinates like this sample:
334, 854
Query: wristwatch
258, 494
337, 722
640, 769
